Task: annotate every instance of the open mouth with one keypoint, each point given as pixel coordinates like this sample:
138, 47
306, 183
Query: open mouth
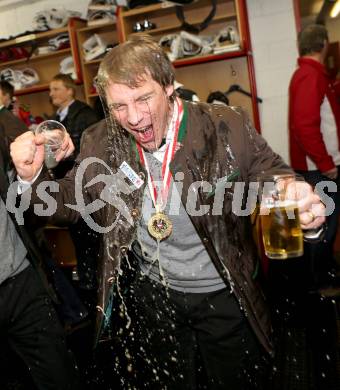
144, 134
143, 129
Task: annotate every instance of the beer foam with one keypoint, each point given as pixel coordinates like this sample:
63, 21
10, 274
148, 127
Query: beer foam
280, 203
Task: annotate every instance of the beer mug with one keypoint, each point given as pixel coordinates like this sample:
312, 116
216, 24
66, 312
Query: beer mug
54, 133
281, 231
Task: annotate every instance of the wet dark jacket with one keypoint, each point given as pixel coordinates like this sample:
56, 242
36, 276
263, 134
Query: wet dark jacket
11, 125
33, 253
219, 142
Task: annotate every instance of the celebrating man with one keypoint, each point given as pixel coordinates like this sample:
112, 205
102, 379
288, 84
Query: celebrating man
194, 289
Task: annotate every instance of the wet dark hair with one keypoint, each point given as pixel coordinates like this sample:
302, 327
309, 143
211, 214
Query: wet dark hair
7, 88
312, 39
130, 62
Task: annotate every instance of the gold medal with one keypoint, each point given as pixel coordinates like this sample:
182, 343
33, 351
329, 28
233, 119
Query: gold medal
160, 226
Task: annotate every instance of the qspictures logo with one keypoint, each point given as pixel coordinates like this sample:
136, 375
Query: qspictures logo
202, 197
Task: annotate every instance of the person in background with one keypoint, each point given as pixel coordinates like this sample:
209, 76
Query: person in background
77, 116
6, 93
314, 136
193, 289
74, 114
11, 103
10, 123
28, 321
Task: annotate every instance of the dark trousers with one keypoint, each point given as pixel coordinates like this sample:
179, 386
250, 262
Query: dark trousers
174, 331
320, 255
29, 325
86, 243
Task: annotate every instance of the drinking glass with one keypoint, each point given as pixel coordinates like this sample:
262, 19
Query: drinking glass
281, 231
54, 133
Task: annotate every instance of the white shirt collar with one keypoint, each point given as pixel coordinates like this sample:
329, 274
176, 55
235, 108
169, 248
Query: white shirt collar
62, 112
159, 153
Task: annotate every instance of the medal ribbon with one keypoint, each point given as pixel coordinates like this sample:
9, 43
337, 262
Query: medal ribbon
168, 156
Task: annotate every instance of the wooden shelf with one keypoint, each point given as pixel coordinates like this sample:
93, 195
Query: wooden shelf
147, 9
36, 58
97, 27
47, 65
94, 62
34, 88
109, 32
204, 73
208, 58
162, 7
177, 25
34, 36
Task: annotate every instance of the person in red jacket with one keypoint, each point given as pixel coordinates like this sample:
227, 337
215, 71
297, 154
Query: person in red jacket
314, 130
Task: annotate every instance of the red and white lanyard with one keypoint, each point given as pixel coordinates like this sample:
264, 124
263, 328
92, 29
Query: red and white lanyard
168, 156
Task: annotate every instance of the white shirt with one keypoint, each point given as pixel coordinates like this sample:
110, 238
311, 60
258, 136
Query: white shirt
62, 112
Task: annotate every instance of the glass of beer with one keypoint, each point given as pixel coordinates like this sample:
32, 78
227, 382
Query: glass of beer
280, 224
54, 133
